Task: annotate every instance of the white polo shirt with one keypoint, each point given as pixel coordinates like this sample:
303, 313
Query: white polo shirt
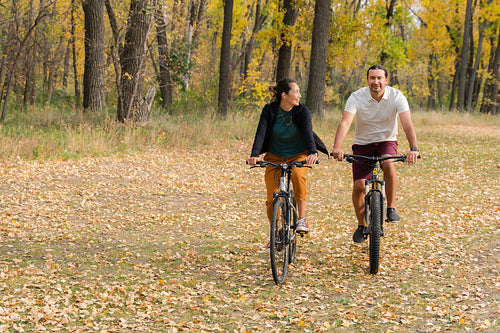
376, 121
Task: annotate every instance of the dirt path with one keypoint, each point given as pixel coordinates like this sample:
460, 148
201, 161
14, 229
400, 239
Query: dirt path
169, 241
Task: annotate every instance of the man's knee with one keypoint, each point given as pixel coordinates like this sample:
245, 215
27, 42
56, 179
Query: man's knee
359, 186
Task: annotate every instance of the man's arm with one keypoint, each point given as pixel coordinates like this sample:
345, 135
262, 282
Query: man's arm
411, 135
343, 128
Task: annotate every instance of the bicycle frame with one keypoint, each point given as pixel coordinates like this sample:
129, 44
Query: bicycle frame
283, 201
372, 185
287, 195
374, 204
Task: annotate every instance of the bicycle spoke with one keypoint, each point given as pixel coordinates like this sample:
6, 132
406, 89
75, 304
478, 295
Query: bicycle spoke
279, 248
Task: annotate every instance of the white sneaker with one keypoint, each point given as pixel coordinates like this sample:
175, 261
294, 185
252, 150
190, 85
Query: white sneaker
302, 226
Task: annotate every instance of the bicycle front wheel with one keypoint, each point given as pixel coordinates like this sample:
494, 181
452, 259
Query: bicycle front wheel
279, 249
375, 230
293, 234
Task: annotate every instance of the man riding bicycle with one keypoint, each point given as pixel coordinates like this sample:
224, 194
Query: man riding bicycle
376, 108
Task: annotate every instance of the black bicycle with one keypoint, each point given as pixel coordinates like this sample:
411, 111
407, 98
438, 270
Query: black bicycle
283, 235
374, 203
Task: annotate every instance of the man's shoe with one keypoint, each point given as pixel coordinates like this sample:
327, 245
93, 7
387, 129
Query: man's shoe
268, 247
392, 216
358, 236
302, 226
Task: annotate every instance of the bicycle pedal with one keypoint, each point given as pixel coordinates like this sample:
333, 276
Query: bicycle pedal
302, 233
366, 232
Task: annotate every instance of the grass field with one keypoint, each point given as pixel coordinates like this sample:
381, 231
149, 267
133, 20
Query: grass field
161, 228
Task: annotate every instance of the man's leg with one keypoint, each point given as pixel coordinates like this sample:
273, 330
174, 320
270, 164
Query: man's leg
360, 172
391, 182
358, 200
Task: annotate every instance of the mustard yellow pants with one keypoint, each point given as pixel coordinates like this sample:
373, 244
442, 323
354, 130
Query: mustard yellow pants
272, 178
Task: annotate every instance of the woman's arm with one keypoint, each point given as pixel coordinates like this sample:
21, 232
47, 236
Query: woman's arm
261, 132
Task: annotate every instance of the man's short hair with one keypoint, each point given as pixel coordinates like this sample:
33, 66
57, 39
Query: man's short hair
376, 67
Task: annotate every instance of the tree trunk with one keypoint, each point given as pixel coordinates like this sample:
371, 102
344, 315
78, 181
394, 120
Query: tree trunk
454, 87
116, 47
7, 87
132, 57
285, 51
225, 59
490, 95
388, 24
259, 21
93, 75
164, 72
144, 106
199, 17
73, 49
431, 102
319, 52
462, 70
66, 66
472, 78
53, 69
29, 97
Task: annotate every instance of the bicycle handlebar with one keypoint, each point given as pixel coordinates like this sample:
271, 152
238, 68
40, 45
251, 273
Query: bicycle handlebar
299, 164
374, 159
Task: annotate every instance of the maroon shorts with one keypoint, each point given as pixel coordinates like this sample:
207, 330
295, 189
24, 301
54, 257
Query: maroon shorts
363, 169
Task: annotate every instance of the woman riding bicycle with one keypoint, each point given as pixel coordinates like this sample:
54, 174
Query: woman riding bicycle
285, 134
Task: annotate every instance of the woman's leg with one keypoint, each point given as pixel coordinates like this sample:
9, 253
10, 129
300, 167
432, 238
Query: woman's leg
299, 181
301, 207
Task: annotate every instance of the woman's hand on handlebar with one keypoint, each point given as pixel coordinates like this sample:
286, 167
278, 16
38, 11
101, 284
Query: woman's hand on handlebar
337, 154
311, 159
252, 160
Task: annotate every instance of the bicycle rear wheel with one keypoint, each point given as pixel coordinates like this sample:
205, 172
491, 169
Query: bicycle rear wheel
375, 230
279, 249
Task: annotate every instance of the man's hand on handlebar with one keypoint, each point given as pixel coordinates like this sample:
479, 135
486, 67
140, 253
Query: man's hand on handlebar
337, 154
411, 157
252, 160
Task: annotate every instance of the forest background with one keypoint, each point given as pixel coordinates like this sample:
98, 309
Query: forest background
207, 55
125, 203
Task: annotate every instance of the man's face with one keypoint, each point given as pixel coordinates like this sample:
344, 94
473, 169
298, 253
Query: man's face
377, 81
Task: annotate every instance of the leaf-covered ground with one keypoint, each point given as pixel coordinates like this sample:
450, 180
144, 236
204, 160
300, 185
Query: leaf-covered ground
172, 241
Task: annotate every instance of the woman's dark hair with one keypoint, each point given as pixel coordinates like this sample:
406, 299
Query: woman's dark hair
283, 86
376, 67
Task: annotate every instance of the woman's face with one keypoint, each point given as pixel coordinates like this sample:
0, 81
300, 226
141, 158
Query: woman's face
291, 99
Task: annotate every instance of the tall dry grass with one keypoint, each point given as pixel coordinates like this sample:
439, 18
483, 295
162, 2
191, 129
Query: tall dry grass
52, 133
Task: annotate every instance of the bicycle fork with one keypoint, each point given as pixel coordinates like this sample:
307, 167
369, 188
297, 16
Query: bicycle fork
373, 185
285, 233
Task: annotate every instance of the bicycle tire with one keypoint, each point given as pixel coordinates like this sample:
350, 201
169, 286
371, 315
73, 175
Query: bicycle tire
279, 250
293, 234
375, 230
